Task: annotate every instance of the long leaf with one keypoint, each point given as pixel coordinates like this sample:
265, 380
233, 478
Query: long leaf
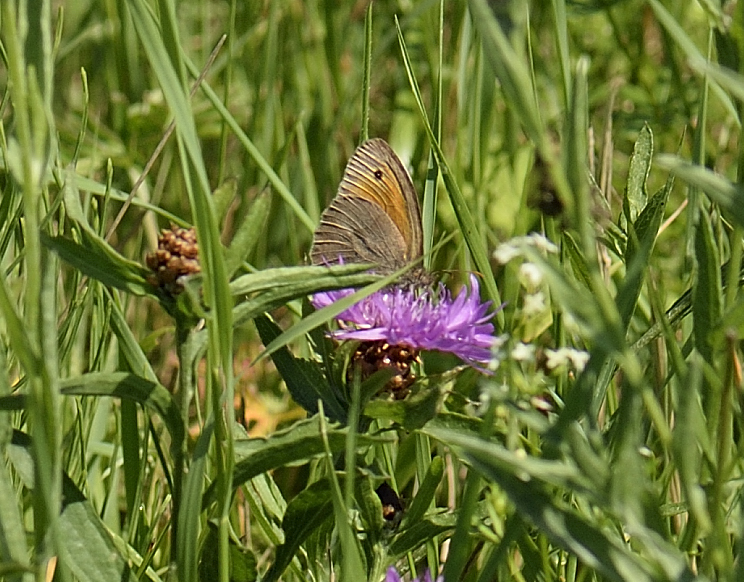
729, 196
305, 514
467, 224
132, 387
99, 261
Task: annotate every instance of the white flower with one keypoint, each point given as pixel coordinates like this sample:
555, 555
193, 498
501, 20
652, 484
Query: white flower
500, 340
556, 358
534, 303
523, 352
497, 353
541, 243
530, 276
506, 252
515, 247
577, 359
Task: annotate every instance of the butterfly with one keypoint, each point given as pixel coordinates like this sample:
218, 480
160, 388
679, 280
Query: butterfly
375, 216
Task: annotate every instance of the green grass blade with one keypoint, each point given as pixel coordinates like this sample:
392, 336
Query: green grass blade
464, 216
729, 196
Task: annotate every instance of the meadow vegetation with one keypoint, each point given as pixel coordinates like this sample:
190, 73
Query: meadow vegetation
583, 158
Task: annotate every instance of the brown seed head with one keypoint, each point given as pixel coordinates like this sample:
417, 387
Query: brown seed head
177, 256
377, 355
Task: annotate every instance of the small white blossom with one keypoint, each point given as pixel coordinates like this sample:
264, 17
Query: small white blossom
500, 340
523, 352
541, 404
542, 243
530, 275
484, 399
515, 247
577, 359
494, 363
505, 252
497, 353
556, 358
534, 303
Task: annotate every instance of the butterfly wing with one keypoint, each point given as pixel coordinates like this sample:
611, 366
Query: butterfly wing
375, 217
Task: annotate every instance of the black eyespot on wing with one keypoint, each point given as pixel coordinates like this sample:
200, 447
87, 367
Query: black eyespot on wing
378, 174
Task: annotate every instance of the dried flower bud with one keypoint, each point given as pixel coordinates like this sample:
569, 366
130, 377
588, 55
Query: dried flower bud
177, 256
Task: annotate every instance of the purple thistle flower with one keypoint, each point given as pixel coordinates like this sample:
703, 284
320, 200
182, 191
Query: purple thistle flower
393, 576
427, 319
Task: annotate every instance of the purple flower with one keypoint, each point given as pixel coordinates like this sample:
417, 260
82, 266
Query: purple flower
428, 319
393, 576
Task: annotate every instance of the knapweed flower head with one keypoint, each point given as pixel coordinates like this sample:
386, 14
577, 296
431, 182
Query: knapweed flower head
429, 319
393, 576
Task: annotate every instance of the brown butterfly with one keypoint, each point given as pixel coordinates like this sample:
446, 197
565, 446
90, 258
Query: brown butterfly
375, 217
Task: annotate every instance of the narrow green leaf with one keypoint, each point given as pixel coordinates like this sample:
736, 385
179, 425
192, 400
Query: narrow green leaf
87, 185
306, 280
425, 495
20, 341
706, 290
690, 433
12, 532
465, 218
635, 197
646, 226
561, 41
576, 258
576, 159
243, 564
367, 74
235, 126
528, 482
303, 378
370, 511
223, 197
554, 473
132, 387
90, 551
299, 443
628, 489
352, 565
190, 521
99, 261
509, 67
132, 352
248, 233
729, 196
308, 511
432, 525
641, 238
319, 317
725, 80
